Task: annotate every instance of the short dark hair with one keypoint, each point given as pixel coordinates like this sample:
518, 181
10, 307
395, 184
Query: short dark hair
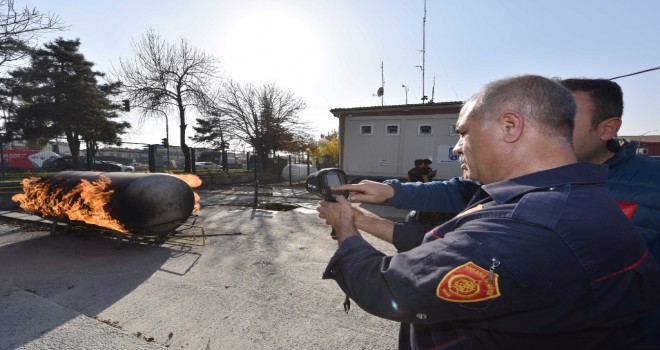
605, 94
427, 161
418, 162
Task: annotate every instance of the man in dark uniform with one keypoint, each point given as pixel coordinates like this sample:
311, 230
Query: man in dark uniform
413, 173
420, 173
541, 258
632, 178
430, 172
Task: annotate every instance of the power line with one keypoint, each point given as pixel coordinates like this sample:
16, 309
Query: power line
640, 72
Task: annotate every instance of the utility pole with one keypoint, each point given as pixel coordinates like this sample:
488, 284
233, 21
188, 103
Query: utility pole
167, 137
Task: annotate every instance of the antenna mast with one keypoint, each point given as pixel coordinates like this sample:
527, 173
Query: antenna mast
382, 84
381, 90
424, 98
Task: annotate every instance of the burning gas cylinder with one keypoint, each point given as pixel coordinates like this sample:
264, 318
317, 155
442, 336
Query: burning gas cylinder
138, 203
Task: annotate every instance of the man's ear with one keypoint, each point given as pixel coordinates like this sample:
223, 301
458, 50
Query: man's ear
512, 123
608, 128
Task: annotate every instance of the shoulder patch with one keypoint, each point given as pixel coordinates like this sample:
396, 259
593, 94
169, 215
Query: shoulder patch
468, 283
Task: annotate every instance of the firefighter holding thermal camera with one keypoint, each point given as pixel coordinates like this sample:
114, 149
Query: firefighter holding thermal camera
542, 257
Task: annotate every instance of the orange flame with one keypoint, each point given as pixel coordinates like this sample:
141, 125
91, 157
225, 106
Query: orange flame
192, 180
86, 202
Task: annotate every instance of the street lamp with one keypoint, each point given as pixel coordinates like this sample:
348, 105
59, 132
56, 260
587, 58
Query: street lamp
642, 150
406, 89
639, 138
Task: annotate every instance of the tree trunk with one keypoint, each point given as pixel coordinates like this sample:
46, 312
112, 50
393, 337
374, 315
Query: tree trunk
74, 147
182, 134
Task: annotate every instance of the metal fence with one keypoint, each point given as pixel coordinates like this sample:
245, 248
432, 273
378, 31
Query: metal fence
19, 158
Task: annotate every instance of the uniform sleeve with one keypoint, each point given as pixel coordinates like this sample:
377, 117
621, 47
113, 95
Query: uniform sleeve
408, 235
445, 280
450, 196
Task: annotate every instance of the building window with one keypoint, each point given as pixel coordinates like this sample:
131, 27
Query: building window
392, 129
366, 129
425, 129
452, 129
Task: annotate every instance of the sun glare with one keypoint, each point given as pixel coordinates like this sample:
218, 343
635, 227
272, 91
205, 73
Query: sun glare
273, 46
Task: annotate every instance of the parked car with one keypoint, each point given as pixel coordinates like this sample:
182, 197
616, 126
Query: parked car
206, 165
66, 163
59, 164
123, 167
140, 166
106, 166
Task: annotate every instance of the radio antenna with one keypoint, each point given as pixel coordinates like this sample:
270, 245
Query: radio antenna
433, 90
424, 98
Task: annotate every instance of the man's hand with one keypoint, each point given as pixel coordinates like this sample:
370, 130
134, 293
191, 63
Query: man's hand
341, 216
367, 191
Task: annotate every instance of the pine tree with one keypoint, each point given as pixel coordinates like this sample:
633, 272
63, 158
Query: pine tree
59, 95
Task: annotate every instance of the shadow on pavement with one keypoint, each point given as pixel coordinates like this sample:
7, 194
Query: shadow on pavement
83, 272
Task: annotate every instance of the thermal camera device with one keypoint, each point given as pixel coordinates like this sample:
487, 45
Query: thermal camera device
319, 183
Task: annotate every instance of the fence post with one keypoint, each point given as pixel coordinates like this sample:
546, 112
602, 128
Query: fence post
256, 184
152, 158
290, 182
279, 171
2, 158
193, 166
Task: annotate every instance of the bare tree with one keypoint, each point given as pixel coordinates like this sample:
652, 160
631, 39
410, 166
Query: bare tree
19, 30
162, 76
267, 117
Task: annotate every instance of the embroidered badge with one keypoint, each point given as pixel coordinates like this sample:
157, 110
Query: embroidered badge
628, 208
469, 283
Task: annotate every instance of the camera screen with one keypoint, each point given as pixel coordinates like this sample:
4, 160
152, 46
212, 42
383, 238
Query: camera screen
333, 180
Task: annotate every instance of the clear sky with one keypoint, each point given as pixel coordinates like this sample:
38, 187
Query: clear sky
329, 52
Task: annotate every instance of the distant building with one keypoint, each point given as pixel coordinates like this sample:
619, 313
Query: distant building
648, 144
382, 142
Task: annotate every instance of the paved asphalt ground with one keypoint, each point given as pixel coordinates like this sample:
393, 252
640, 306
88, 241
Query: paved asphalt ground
255, 284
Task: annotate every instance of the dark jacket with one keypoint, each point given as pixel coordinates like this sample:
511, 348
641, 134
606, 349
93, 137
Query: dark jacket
634, 181
543, 261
